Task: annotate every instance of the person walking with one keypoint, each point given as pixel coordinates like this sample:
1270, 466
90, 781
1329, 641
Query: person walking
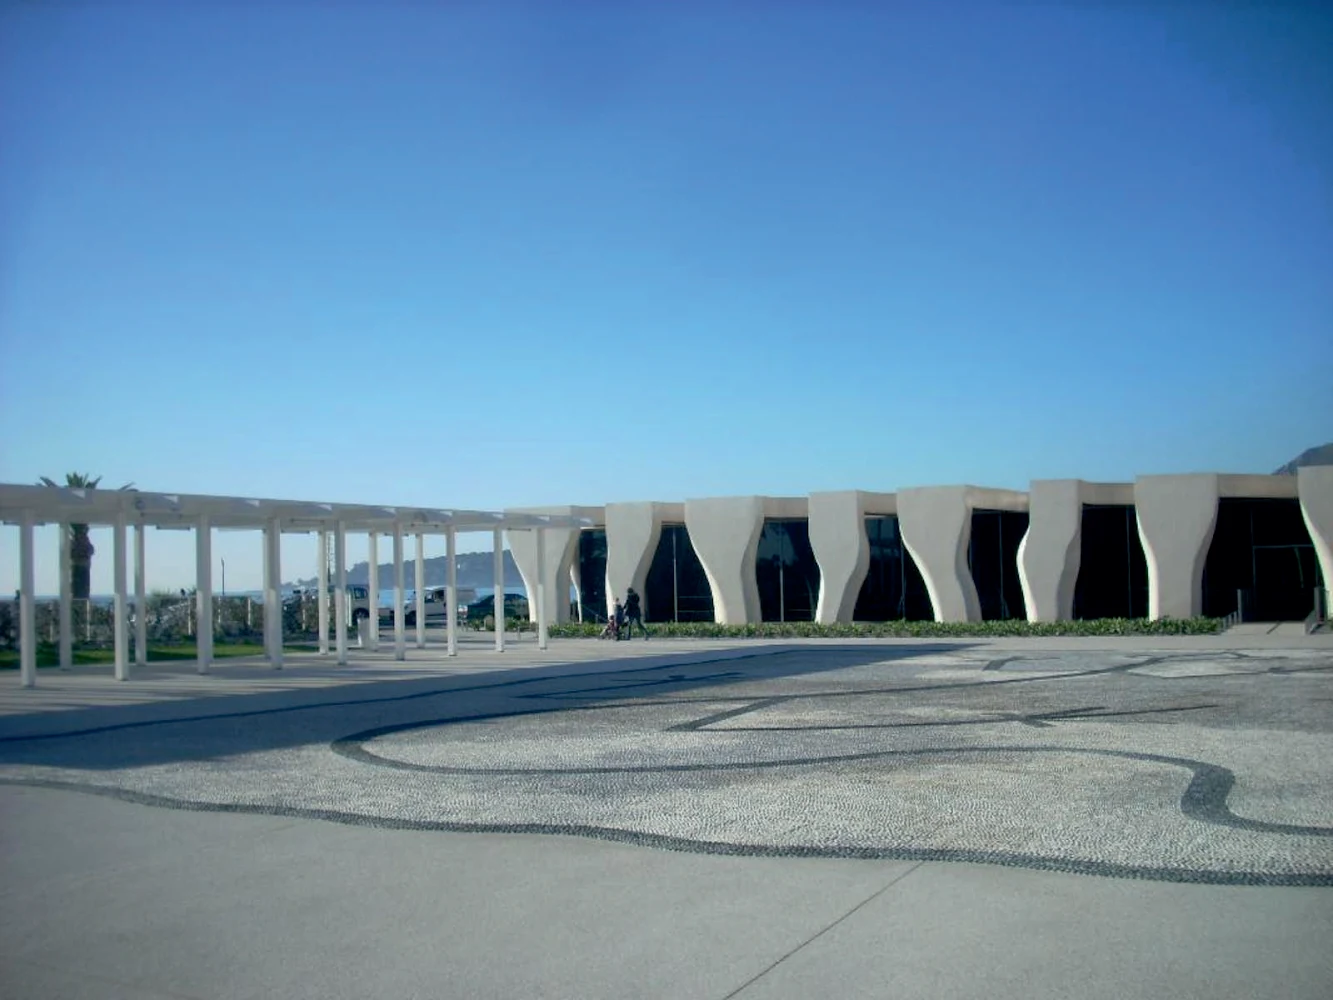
633, 614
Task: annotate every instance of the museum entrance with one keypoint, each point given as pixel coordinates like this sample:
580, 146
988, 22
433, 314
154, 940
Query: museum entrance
992, 556
677, 588
1261, 556
893, 589
1112, 571
786, 572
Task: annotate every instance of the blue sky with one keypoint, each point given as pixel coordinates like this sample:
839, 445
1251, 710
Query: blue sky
487, 255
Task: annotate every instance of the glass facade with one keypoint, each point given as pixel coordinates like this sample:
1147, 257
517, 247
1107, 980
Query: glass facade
894, 588
1260, 547
592, 574
992, 555
1112, 571
676, 589
786, 572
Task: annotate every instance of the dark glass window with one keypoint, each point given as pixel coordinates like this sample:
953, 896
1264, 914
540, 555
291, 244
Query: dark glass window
894, 588
786, 571
1112, 571
992, 555
592, 573
1262, 548
677, 588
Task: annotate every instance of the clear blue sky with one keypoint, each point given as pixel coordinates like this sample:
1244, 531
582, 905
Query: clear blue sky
487, 255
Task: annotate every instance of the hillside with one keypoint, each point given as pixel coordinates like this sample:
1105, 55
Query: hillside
474, 570
1320, 455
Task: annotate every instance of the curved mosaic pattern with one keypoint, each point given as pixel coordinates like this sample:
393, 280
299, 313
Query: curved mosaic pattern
1186, 767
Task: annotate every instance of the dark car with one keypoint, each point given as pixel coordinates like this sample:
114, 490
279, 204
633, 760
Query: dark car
515, 606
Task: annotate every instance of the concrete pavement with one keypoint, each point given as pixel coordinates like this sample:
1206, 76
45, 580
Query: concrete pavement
805, 792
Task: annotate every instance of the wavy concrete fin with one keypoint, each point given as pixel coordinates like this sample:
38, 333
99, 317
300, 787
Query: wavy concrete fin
1315, 486
725, 534
936, 525
838, 537
1048, 556
633, 531
1177, 515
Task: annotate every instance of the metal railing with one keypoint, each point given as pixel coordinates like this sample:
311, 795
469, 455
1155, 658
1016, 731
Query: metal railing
1318, 616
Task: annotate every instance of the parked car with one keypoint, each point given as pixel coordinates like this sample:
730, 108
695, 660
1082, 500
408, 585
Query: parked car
437, 605
515, 606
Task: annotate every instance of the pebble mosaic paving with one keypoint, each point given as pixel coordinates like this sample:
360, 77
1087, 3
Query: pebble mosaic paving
1182, 766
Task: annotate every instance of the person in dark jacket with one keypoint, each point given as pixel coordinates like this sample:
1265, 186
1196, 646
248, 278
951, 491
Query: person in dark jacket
633, 614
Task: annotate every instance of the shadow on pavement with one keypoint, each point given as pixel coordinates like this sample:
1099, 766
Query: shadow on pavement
220, 726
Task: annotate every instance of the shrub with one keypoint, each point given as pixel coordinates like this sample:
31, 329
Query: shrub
909, 629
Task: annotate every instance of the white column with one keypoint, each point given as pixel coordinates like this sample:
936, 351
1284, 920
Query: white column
399, 596
273, 593
203, 581
118, 611
27, 615
374, 582
499, 602
419, 585
451, 594
140, 598
541, 588
322, 573
340, 591
66, 602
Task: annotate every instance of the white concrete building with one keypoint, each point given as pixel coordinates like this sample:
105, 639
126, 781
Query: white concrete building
1162, 546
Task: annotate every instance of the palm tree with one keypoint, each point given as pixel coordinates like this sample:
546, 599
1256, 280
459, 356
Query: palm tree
80, 545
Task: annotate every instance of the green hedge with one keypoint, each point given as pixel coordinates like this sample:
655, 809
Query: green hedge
910, 630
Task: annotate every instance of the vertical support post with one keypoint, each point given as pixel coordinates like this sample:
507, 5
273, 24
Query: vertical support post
374, 582
27, 613
322, 574
66, 601
340, 591
273, 592
498, 605
140, 598
451, 592
541, 588
118, 610
203, 573
419, 587
399, 596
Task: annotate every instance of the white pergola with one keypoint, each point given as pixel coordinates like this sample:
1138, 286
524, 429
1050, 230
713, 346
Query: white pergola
28, 506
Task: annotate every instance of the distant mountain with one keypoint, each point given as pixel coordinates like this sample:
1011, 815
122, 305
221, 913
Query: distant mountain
1322, 455
474, 570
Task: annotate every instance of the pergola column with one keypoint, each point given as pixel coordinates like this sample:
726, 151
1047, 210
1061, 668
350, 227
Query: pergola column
340, 593
66, 601
374, 587
420, 587
399, 596
27, 617
499, 600
451, 592
322, 597
273, 592
203, 578
541, 588
140, 598
118, 610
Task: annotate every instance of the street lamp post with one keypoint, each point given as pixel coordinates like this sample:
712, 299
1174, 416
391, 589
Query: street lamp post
224, 578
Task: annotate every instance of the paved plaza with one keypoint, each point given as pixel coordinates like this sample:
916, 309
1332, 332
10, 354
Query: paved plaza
822, 779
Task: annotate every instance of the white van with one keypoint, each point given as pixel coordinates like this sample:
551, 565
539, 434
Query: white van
437, 605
